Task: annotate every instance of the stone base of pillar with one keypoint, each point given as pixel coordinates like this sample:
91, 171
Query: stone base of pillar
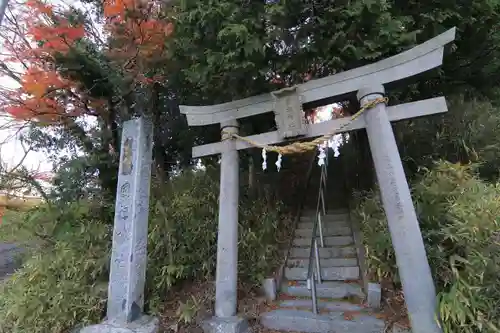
269, 286
145, 324
226, 325
374, 295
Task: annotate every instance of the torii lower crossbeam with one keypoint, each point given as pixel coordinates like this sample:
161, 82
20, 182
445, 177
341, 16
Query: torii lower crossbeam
395, 113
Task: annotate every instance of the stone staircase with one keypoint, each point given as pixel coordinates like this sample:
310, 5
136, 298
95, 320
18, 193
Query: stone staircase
340, 296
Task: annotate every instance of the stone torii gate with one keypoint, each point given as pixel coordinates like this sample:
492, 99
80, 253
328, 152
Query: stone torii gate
287, 103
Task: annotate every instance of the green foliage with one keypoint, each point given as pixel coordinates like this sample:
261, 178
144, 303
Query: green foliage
468, 132
187, 311
459, 217
232, 49
9, 227
75, 180
380, 258
64, 282
462, 219
183, 233
471, 63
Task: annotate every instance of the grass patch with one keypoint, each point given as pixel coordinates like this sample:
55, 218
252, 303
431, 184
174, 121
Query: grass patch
11, 230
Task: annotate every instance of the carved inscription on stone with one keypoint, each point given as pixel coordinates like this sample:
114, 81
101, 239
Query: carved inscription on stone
125, 190
127, 165
288, 113
124, 201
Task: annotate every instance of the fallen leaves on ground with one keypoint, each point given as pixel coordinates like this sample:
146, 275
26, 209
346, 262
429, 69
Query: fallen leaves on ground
350, 315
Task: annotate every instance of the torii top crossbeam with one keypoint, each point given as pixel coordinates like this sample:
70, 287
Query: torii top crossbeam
287, 103
419, 59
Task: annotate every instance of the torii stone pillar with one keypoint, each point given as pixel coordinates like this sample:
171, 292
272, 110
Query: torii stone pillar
411, 258
226, 279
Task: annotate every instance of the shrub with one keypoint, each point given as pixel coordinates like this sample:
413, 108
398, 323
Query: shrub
459, 217
9, 224
183, 233
468, 132
64, 283
379, 253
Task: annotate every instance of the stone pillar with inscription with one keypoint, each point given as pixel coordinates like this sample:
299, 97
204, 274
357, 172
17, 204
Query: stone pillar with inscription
411, 258
129, 251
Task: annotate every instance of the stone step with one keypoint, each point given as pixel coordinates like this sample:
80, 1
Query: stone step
327, 289
306, 304
327, 231
326, 224
327, 273
324, 252
336, 262
328, 241
293, 320
328, 217
331, 212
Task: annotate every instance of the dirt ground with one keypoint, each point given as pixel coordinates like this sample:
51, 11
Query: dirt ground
8, 258
200, 298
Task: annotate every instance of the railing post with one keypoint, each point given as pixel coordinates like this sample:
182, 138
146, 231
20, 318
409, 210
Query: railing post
313, 295
318, 265
323, 206
416, 278
320, 226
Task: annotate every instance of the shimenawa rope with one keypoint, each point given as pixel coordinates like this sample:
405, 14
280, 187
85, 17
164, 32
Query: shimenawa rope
301, 147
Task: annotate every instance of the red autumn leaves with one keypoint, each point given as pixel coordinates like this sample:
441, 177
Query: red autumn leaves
139, 35
42, 91
47, 31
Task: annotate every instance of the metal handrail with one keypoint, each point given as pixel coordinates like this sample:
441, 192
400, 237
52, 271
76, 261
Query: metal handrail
298, 212
314, 270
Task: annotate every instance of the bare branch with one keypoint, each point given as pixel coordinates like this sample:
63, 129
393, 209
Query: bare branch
6, 70
20, 163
